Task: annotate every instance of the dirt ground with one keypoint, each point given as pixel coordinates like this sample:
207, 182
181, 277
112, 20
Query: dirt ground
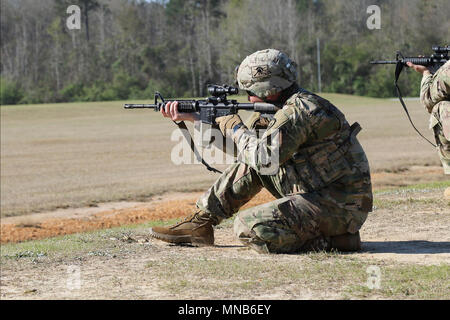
164, 207
138, 267
408, 229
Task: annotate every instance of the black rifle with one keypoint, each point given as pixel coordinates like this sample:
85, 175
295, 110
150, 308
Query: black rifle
209, 109
433, 63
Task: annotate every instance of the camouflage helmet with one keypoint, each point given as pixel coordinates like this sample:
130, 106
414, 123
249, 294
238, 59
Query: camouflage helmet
266, 72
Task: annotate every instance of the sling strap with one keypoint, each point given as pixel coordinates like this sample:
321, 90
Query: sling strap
398, 70
182, 126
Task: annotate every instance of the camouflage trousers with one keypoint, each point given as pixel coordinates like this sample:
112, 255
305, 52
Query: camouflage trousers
440, 124
295, 223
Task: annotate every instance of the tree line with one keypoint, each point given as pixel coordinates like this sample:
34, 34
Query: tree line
127, 49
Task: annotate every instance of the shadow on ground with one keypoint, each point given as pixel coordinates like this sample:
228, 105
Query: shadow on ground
406, 247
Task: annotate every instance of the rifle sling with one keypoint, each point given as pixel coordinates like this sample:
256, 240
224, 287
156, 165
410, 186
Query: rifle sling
398, 70
182, 126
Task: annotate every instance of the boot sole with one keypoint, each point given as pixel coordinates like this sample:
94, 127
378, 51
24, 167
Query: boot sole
180, 239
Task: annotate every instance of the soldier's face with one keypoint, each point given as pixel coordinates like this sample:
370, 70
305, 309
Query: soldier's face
254, 99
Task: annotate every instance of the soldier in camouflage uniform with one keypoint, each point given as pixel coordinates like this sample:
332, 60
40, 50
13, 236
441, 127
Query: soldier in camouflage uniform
435, 96
321, 181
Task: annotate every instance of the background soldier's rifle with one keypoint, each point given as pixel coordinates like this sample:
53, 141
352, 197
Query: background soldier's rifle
433, 63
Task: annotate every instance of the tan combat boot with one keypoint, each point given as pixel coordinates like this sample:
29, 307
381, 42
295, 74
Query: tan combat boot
346, 242
196, 229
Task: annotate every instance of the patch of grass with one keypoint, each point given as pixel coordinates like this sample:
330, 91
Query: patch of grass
344, 275
25, 254
75, 244
322, 274
408, 282
265, 273
420, 187
390, 204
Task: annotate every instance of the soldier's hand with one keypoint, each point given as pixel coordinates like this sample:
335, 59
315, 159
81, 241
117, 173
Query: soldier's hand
420, 69
227, 123
170, 110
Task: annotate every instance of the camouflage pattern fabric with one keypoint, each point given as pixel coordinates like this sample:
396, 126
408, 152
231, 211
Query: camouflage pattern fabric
435, 96
322, 183
295, 223
266, 72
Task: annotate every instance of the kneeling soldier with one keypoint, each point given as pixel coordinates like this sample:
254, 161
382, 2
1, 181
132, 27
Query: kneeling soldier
321, 181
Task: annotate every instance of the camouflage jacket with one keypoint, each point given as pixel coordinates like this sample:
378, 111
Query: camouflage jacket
435, 96
436, 88
317, 152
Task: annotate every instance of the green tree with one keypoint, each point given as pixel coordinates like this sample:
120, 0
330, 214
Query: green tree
10, 93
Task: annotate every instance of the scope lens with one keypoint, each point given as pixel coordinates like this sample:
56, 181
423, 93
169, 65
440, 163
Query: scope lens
439, 49
218, 90
233, 90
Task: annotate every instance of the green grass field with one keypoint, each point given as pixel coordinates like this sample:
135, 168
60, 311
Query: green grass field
78, 154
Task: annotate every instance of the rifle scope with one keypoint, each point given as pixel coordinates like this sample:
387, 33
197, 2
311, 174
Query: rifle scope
218, 91
439, 49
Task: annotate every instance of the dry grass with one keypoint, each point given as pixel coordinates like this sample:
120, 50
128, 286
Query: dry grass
79, 154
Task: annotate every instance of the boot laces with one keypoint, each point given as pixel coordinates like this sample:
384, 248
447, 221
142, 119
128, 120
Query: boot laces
194, 217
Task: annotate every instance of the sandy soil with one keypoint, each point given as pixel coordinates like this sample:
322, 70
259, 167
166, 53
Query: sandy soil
389, 237
164, 207
104, 216
408, 227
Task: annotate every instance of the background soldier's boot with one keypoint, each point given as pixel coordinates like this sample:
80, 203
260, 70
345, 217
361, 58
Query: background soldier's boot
447, 194
195, 229
346, 242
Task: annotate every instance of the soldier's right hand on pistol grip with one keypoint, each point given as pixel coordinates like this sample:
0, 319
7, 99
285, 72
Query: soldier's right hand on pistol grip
170, 110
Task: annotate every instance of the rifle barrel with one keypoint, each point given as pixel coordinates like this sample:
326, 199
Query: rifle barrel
423, 61
189, 106
141, 106
383, 62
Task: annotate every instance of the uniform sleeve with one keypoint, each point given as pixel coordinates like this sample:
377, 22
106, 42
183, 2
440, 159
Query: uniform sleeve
435, 88
286, 132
